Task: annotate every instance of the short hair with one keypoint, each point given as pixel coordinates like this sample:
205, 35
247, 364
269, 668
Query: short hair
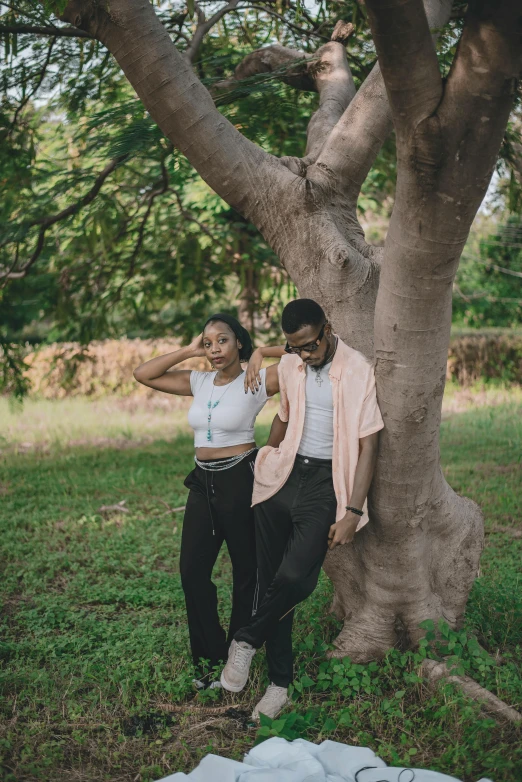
300, 313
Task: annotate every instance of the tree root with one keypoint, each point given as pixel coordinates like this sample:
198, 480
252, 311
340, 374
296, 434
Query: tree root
200, 710
438, 671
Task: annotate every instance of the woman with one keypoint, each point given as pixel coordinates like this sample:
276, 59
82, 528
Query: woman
219, 502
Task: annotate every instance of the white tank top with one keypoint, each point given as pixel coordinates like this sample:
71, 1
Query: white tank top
232, 418
317, 438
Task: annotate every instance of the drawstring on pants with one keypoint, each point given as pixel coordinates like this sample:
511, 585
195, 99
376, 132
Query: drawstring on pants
208, 500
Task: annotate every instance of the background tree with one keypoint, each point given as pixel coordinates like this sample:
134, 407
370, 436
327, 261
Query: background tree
449, 127
488, 284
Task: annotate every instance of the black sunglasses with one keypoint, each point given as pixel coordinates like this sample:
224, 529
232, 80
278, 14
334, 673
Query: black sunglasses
307, 348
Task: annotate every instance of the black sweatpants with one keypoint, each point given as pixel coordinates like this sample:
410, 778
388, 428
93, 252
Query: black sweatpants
218, 509
292, 540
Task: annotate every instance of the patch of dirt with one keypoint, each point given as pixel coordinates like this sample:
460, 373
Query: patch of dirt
465, 399
501, 469
149, 724
512, 531
120, 443
198, 718
140, 404
12, 604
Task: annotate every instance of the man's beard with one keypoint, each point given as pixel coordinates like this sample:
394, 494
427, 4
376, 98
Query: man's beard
328, 356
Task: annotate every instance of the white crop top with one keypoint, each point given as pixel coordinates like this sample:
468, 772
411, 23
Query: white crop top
232, 419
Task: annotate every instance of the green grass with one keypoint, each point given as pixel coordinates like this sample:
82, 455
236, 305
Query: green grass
93, 632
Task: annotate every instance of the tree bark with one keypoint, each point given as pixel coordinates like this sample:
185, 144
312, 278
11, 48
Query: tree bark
247, 302
436, 537
419, 555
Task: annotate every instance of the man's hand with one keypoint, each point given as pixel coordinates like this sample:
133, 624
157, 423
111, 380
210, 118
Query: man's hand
343, 531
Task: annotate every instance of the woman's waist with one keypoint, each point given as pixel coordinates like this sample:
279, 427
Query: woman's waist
217, 453
226, 464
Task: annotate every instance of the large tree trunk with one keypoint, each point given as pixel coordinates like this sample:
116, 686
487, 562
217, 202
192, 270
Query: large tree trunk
419, 554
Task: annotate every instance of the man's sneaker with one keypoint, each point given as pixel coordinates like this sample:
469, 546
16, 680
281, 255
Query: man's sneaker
272, 703
235, 673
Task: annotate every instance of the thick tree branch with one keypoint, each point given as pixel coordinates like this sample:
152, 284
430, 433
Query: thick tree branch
407, 59
177, 101
479, 94
335, 85
355, 141
289, 65
326, 72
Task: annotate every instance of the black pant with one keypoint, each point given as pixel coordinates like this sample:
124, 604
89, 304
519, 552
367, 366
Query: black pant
292, 540
218, 509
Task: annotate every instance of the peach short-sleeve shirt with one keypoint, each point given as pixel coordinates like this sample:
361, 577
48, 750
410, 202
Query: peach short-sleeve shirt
356, 415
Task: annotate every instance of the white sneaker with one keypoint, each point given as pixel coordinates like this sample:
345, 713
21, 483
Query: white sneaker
235, 673
272, 703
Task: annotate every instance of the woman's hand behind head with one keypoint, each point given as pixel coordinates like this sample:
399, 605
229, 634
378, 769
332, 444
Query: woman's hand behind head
196, 346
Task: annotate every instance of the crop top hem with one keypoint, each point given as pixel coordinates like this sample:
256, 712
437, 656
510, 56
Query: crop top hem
228, 445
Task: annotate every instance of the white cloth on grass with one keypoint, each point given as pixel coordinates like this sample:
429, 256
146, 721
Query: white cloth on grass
278, 760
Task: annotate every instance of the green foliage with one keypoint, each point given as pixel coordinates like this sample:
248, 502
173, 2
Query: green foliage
12, 380
155, 249
488, 289
94, 638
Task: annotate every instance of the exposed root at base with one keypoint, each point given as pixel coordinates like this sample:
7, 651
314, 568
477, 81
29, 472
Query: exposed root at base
437, 671
201, 711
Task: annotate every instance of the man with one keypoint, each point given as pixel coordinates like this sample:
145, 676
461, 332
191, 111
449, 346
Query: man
311, 483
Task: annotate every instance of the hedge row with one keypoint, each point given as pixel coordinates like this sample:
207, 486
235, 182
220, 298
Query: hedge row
103, 368
106, 367
483, 356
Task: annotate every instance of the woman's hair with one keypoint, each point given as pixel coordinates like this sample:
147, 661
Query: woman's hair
240, 332
301, 312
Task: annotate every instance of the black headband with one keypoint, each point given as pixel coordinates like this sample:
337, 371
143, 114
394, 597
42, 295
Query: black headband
241, 333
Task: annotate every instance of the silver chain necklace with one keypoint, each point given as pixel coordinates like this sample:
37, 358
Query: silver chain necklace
317, 371
318, 377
